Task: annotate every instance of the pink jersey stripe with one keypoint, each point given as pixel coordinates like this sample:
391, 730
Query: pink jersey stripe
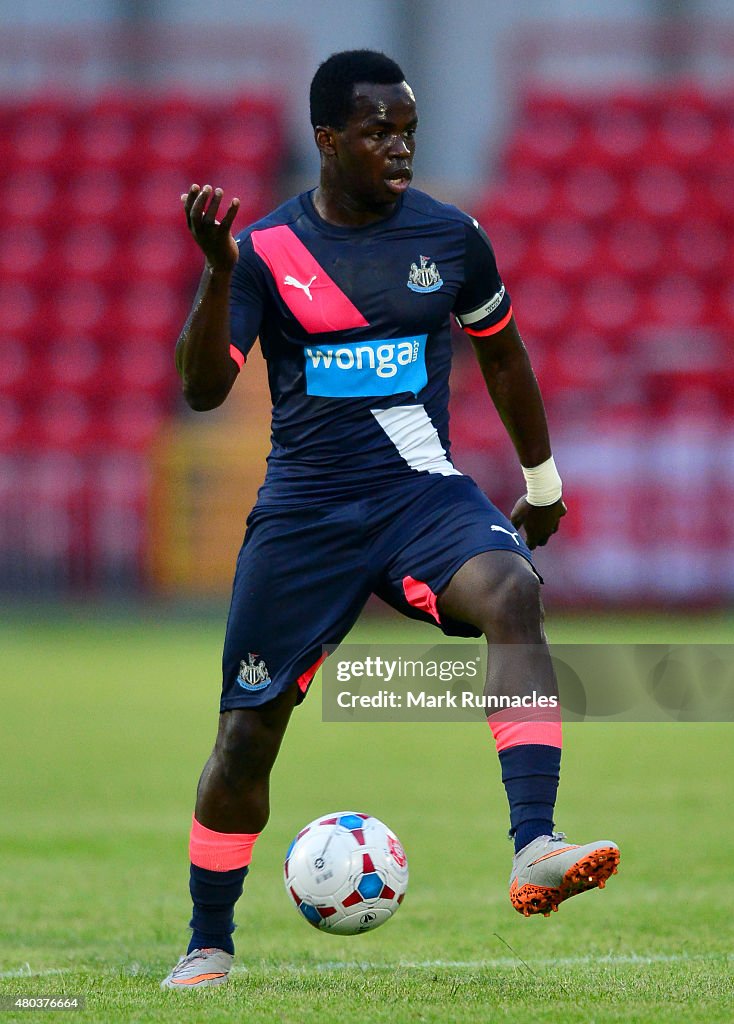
220, 851
237, 356
516, 734
491, 330
304, 680
314, 299
420, 595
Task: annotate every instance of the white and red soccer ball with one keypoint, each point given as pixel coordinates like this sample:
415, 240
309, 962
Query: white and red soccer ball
346, 873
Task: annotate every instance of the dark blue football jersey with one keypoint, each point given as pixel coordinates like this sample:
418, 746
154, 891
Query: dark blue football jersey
355, 326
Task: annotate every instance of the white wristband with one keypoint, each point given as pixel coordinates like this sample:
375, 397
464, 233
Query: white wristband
543, 483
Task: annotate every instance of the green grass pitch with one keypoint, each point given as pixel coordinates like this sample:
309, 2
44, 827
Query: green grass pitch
105, 724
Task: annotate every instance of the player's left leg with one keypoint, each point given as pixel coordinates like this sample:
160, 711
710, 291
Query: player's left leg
497, 592
462, 566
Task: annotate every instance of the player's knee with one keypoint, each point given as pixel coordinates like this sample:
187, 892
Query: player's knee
512, 609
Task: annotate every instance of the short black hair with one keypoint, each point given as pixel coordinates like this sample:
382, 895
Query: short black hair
333, 84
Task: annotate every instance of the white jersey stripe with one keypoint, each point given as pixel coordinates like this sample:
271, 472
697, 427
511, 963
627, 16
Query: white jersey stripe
416, 439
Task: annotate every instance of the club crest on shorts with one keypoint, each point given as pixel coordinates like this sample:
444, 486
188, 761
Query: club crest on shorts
253, 674
424, 278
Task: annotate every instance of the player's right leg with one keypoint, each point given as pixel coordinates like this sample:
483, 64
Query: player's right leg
301, 581
232, 809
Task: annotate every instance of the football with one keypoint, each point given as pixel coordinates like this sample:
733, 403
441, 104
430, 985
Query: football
346, 873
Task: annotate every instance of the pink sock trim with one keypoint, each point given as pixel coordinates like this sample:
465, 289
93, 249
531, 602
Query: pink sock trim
220, 851
530, 730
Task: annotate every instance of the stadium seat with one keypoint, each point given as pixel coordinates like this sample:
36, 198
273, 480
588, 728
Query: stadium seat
22, 254
73, 364
567, 248
634, 247
20, 304
95, 196
132, 422
88, 251
11, 423
703, 248
542, 305
79, 305
29, 197
145, 366
675, 299
524, 197
590, 194
63, 422
660, 193
107, 137
40, 133
617, 136
608, 303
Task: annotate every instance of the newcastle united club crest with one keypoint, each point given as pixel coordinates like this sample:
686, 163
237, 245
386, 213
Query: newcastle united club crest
253, 674
424, 278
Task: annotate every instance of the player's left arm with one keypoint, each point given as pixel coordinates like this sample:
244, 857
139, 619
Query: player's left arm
513, 388
484, 310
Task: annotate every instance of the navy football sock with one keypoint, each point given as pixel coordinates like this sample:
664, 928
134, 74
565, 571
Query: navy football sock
214, 894
530, 774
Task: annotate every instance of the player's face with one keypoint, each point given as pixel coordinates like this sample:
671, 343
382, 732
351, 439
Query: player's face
374, 152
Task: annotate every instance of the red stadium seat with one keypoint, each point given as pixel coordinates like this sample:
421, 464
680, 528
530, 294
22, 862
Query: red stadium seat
176, 138
30, 197
72, 365
567, 248
250, 135
608, 303
11, 424
159, 200
719, 191
20, 307
22, 253
526, 197
79, 305
144, 366
133, 421
541, 305
617, 136
107, 137
590, 194
635, 248
684, 136
546, 137
21, 375
88, 251
510, 243
40, 136
160, 252
63, 422
96, 195
677, 300
703, 247
660, 193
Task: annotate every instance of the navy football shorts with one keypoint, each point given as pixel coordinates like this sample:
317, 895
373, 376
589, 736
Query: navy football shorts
304, 575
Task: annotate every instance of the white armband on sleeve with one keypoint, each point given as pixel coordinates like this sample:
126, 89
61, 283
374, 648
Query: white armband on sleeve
543, 483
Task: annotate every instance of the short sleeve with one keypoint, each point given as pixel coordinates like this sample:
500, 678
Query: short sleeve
483, 304
245, 304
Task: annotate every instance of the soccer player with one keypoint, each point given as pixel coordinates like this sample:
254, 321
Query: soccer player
350, 288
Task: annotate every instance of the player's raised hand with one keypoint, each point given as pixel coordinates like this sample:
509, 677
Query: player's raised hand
539, 522
213, 237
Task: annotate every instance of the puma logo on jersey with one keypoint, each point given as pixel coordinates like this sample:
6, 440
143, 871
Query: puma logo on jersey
501, 529
304, 287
